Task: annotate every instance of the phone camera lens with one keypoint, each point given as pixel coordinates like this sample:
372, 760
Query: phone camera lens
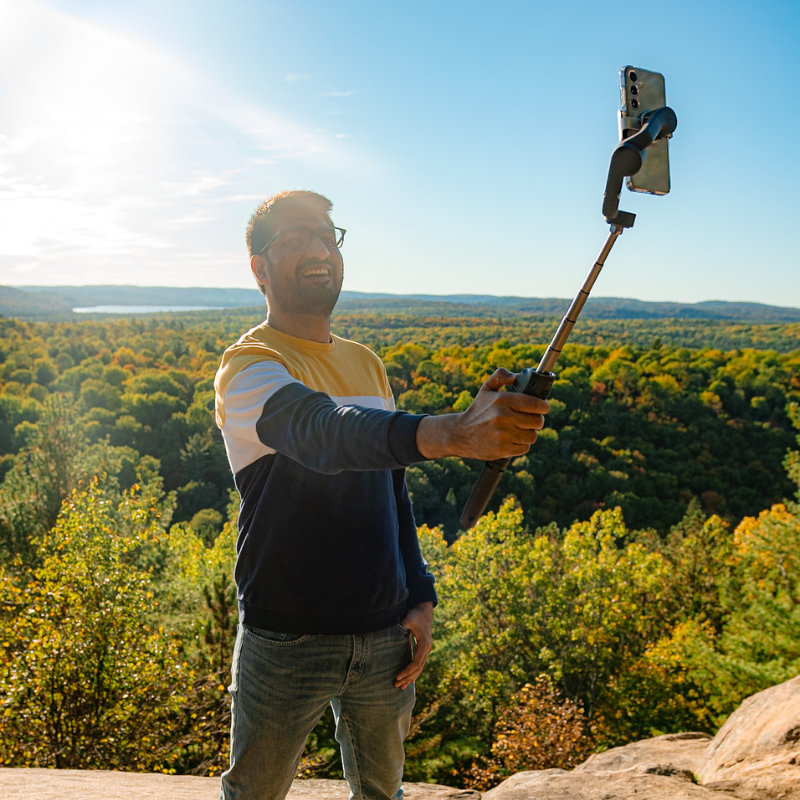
634, 90
633, 76
635, 103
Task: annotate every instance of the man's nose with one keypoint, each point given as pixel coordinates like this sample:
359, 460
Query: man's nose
317, 249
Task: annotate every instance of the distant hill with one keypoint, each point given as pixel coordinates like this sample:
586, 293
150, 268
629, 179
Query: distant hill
88, 296
26, 305
596, 307
57, 302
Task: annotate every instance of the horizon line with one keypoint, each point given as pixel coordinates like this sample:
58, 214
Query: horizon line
412, 295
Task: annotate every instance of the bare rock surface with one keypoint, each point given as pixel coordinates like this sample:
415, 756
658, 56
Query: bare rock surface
759, 745
674, 753
76, 784
71, 784
337, 790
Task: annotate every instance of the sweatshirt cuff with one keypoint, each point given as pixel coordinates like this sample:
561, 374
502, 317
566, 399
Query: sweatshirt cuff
403, 438
422, 593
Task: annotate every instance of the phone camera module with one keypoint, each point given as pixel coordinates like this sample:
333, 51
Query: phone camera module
634, 90
633, 76
635, 103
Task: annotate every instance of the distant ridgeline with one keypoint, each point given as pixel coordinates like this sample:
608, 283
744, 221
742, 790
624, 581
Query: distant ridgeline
58, 302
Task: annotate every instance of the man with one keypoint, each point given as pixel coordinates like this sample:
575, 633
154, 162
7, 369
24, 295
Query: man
331, 583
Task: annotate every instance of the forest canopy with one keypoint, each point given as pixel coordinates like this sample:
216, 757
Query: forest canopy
644, 426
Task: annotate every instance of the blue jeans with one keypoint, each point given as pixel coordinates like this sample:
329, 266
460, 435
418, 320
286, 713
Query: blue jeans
282, 683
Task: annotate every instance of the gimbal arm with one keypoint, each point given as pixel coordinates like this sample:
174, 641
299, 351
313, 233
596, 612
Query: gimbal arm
628, 157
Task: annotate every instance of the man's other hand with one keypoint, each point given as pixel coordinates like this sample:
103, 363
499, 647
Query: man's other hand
498, 424
419, 621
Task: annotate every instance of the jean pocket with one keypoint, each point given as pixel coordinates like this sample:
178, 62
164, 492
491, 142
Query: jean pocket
404, 631
276, 638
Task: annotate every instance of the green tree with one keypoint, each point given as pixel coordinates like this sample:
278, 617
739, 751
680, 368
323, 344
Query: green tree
90, 679
792, 461
721, 652
55, 460
759, 644
203, 597
699, 554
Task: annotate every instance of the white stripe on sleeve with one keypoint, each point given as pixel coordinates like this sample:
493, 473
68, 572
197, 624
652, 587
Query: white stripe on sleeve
244, 402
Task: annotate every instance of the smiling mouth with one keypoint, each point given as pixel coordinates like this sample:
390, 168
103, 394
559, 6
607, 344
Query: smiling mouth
316, 272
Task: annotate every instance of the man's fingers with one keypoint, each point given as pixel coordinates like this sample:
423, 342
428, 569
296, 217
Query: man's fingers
410, 673
527, 404
414, 669
525, 438
422, 649
523, 421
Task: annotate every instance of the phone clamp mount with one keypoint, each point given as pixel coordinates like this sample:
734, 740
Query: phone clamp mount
626, 159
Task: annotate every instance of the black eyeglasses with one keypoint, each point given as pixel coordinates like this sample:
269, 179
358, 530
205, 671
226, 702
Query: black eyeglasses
300, 238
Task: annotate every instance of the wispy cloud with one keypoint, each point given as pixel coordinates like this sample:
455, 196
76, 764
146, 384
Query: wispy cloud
296, 76
115, 156
336, 93
199, 217
24, 267
199, 183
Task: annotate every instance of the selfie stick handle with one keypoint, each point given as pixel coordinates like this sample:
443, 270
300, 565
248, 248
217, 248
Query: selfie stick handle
537, 383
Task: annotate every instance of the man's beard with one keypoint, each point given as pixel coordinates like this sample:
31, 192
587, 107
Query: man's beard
295, 297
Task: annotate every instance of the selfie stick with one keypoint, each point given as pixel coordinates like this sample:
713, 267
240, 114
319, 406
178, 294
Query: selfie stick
627, 159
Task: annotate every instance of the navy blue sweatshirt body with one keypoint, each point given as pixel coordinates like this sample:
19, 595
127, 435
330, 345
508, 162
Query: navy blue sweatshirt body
327, 540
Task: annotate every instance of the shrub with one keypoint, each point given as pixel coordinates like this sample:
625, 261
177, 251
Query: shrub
537, 730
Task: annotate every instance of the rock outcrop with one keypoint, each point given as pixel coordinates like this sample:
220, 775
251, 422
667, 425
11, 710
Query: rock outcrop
759, 746
661, 768
679, 754
629, 784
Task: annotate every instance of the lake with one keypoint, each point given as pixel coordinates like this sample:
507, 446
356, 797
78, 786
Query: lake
139, 309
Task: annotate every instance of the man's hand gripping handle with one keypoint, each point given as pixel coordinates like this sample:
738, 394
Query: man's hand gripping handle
536, 384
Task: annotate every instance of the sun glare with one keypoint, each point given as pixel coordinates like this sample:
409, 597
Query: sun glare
123, 149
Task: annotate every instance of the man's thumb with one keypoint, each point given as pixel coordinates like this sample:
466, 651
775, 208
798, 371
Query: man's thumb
499, 379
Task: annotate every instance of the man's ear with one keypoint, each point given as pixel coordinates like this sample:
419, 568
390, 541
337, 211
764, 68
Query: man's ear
258, 266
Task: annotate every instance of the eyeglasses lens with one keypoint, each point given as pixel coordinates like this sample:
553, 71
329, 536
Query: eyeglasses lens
300, 239
329, 238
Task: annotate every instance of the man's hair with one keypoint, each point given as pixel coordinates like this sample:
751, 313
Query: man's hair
260, 229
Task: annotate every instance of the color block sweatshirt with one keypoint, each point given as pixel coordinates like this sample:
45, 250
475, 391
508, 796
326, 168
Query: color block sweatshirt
327, 541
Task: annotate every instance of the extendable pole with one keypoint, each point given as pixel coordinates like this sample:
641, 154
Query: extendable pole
536, 383
571, 317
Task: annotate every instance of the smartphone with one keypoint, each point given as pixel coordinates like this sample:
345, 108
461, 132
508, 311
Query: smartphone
641, 91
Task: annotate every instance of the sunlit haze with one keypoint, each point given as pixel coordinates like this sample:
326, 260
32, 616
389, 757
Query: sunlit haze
464, 145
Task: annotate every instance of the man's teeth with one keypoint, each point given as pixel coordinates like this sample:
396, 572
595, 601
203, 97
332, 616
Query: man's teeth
322, 271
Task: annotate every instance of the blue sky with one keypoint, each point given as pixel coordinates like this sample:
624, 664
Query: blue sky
464, 145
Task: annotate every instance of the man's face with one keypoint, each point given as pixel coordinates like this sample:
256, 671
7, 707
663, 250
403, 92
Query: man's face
301, 281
